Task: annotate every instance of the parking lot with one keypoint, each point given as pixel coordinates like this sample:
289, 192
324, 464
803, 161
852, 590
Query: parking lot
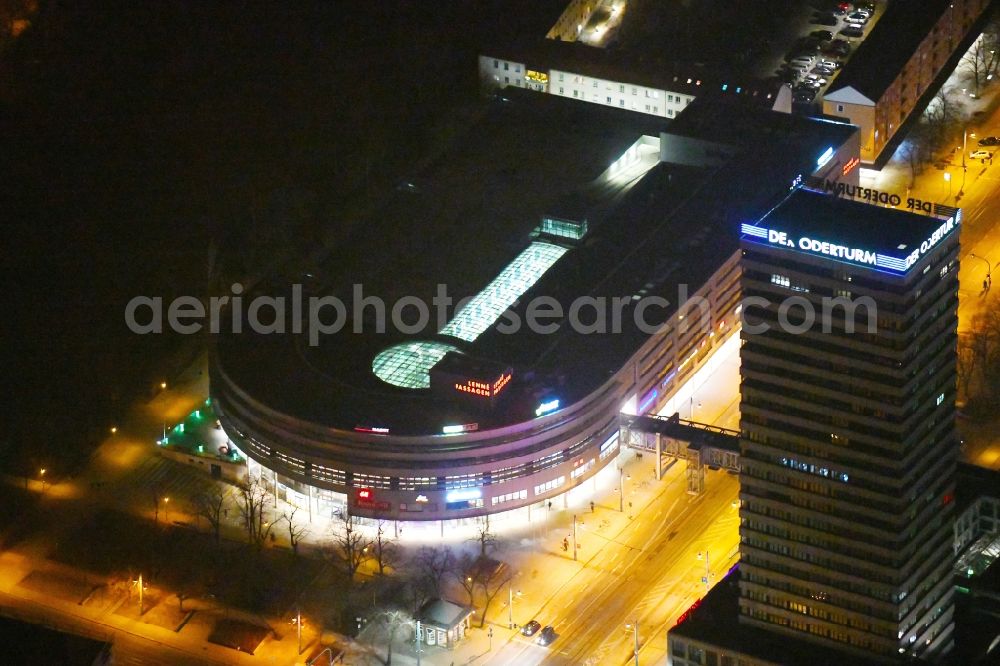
826, 40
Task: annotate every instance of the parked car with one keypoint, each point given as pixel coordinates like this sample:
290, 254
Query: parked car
852, 31
864, 7
815, 78
838, 47
804, 59
829, 64
856, 19
824, 19
531, 628
804, 96
822, 35
980, 155
547, 636
989, 141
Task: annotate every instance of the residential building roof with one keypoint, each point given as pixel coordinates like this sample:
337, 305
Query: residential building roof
880, 58
443, 614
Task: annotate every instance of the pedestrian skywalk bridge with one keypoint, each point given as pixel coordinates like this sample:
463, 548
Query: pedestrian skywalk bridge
699, 445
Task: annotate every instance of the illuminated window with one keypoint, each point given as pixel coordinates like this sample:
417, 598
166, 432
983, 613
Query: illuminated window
518, 277
408, 365
564, 228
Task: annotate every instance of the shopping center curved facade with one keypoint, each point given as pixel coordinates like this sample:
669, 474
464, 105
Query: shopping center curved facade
464, 418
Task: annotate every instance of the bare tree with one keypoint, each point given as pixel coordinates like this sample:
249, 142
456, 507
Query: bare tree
943, 115
390, 621
211, 505
464, 571
416, 590
252, 498
918, 149
296, 530
350, 545
965, 366
486, 538
492, 578
383, 548
432, 565
984, 55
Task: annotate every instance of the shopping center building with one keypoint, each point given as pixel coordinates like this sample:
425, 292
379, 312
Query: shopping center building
614, 218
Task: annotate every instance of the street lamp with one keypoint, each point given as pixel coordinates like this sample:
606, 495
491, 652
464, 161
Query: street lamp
706, 579
574, 537
298, 628
416, 642
510, 603
634, 626
621, 489
989, 279
41, 475
140, 595
166, 509
163, 385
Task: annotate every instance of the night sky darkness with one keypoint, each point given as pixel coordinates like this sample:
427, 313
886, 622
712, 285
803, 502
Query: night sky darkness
134, 134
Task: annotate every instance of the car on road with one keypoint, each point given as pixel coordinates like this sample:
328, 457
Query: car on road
989, 141
547, 636
980, 155
531, 628
852, 31
824, 19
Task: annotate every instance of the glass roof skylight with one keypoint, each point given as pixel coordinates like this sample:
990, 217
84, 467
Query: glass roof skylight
408, 365
518, 277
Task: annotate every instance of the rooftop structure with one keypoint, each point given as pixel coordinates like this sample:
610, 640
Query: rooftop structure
436, 420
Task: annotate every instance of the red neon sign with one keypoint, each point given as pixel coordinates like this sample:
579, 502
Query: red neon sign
849, 167
364, 494
686, 614
484, 389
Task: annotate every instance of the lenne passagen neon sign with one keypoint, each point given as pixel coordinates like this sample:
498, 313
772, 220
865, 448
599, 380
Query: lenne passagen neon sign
485, 389
846, 253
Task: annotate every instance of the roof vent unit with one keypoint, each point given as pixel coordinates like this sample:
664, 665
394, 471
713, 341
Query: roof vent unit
564, 228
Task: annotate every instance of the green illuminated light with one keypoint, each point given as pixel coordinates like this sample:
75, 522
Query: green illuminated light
408, 365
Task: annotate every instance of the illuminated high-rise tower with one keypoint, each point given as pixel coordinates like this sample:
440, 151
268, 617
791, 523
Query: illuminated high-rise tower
848, 425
